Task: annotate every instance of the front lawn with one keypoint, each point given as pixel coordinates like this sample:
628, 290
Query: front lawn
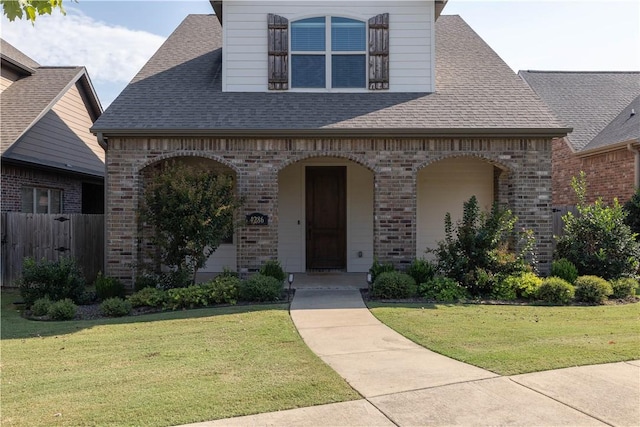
510, 340
160, 369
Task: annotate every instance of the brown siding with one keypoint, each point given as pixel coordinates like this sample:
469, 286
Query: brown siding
62, 137
525, 186
609, 175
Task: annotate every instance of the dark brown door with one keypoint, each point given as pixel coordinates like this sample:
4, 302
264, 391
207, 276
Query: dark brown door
326, 217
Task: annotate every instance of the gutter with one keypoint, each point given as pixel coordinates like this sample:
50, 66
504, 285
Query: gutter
338, 132
102, 141
636, 151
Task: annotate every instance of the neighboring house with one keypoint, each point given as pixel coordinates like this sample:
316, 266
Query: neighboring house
51, 162
353, 128
603, 108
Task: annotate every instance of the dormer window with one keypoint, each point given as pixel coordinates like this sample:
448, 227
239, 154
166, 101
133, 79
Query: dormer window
328, 52
343, 65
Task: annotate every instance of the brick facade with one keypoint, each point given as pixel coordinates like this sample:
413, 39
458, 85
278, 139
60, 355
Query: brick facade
524, 184
609, 174
14, 178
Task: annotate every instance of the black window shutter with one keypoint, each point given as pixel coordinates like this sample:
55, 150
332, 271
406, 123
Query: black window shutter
278, 52
379, 52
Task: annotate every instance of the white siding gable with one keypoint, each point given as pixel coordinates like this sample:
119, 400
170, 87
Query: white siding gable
411, 39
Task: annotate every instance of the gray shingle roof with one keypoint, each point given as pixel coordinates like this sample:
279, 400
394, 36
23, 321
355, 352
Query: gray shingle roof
586, 101
179, 90
624, 128
9, 52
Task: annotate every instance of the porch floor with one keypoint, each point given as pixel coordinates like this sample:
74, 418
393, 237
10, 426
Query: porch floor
329, 280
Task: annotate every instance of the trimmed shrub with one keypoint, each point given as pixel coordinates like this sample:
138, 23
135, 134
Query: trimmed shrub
191, 297
261, 288
64, 309
592, 289
632, 207
564, 269
526, 285
173, 279
148, 297
421, 270
56, 279
222, 290
378, 268
227, 272
89, 296
394, 284
41, 306
624, 287
108, 287
555, 290
442, 289
272, 268
505, 289
115, 307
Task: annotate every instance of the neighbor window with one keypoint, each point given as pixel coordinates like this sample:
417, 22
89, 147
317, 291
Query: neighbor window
41, 200
328, 52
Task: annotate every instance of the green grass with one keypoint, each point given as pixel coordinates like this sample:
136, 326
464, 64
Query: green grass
512, 340
159, 370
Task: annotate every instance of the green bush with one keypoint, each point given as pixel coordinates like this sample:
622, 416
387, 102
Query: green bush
145, 280
173, 279
261, 288
193, 296
526, 285
63, 309
272, 268
41, 306
624, 287
482, 247
222, 290
555, 290
56, 279
393, 285
108, 287
442, 289
564, 269
89, 296
115, 307
505, 289
592, 289
632, 208
378, 268
227, 272
148, 297
421, 270
597, 240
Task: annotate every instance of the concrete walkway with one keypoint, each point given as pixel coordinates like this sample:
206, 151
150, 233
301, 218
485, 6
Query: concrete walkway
404, 384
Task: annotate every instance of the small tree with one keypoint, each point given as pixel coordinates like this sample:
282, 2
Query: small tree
481, 246
597, 240
191, 211
632, 207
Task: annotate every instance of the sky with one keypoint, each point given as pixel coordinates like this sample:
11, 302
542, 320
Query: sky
114, 39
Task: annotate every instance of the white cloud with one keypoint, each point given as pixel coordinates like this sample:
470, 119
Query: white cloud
112, 54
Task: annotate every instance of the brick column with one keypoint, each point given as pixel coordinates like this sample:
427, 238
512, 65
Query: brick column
394, 225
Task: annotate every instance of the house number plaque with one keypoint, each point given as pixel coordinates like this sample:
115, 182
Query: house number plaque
257, 219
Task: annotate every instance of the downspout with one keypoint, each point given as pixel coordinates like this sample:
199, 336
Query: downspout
102, 141
636, 151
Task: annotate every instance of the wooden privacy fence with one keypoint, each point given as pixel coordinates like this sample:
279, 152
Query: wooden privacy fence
51, 236
558, 213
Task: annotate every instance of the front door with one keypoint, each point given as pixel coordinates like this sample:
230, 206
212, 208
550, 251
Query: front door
326, 212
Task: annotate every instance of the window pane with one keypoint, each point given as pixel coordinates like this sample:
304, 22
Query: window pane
347, 35
348, 71
308, 34
56, 201
27, 200
42, 201
308, 71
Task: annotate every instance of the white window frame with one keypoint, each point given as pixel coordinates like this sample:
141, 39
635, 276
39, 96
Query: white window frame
328, 53
34, 199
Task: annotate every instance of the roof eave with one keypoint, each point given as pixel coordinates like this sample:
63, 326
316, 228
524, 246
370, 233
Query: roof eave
607, 148
17, 65
338, 132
